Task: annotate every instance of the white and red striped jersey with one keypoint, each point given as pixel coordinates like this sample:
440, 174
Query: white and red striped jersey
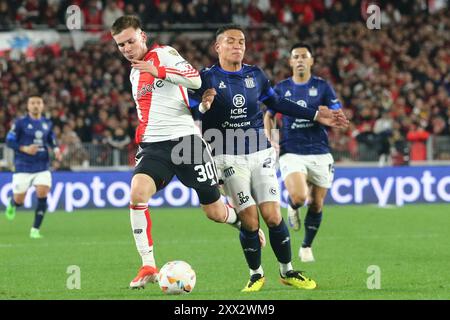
162, 103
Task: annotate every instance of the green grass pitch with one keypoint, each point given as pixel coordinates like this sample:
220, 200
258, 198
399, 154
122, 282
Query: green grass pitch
410, 245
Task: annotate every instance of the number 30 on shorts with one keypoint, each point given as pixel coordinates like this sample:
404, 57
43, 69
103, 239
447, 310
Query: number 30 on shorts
205, 171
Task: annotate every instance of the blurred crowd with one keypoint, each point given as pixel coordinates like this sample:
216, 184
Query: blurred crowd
98, 14
394, 82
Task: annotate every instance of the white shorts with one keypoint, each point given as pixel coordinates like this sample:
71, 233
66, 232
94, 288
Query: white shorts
23, 181
249, 179
318, 168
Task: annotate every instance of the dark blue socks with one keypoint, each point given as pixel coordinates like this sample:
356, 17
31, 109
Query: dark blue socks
252, 248
312, 224
280, 242
40, 212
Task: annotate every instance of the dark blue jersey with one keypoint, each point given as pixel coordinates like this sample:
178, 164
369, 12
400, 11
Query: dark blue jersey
235, 114
302, 136
27, 131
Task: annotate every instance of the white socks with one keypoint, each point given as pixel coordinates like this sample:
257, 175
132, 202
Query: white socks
259, 270
285, 267
231, 215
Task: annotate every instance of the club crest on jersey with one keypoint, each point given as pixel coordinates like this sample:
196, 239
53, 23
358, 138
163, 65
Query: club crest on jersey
312, 92
288, 94
249, 82
44, 126
222, 85
38, 134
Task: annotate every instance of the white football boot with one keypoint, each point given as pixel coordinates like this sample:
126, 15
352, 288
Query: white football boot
294, 218
306, 254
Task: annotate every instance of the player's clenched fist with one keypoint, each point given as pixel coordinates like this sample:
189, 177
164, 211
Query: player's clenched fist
145, 66
208, 98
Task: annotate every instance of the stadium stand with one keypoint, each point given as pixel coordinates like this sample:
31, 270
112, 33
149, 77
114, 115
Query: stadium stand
394, 82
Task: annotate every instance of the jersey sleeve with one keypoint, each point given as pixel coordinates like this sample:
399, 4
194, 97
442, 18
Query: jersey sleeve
277, 90
266, 88
51, 138
195, 95
330, 98
175, 69
13, 136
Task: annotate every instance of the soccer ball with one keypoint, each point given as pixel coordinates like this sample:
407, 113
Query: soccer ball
176, 277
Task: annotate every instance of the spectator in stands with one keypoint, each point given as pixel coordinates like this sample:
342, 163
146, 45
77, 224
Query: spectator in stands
368, 143
83, 129
240, 16
111, 13
383, 128
163, 18
400, 150
119, 141
406, 72
6, 18
92, 15
418, 138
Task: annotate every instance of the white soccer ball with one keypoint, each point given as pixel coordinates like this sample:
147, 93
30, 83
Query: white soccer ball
176, 277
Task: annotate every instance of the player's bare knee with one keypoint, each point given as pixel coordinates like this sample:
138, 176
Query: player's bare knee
215, 212
19, 203
299, 199
251, 226
316, 205
138, 196
19, 199
42, 191
273, 219
249, 219
142, 189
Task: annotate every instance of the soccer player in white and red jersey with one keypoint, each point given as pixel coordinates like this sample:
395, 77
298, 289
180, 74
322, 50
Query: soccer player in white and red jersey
160, 78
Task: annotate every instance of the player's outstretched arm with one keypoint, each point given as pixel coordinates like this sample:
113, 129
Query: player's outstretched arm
287, 107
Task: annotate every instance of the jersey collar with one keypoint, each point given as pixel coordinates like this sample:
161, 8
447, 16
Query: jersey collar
149, 52
300, 84
230, 72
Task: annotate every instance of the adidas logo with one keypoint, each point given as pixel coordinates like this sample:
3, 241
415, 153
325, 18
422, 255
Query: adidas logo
288, 94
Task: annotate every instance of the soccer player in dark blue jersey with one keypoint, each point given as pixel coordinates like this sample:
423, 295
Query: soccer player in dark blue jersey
30, 137
305, 156
232, 121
